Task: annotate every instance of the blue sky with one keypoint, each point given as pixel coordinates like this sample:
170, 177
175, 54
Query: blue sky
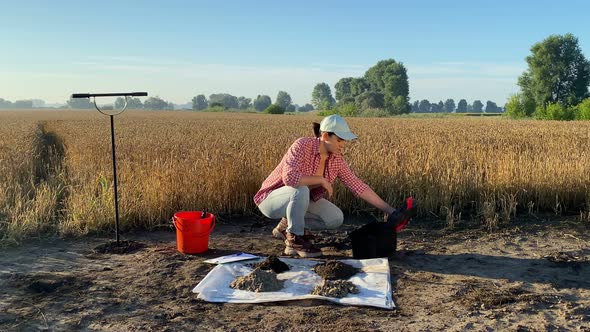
178, 49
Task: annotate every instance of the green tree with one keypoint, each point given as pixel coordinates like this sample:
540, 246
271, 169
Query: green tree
283, 99
262, 102
244, 103
518, 106
391, 79
23, 104
415, 106
305, 108
342, 88
449, 106
491, 107
5, 103
156, 103
348, 88
557, 72
349, 109
583, 112
200, 103
462, 106
388, 77
437, 107
132, 103
80, 103
400, 105
515, 108
370, 99
225, 99
321, 97
424, 106
555, 111
357, 86
119, 103
477, 106
274, 109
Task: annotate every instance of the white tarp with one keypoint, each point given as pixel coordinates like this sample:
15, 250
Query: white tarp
373, 283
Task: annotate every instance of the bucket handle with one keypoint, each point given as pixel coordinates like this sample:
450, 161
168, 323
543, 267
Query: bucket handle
200, 234
212, 224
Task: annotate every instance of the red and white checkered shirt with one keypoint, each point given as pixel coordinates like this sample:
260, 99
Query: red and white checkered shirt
303, 158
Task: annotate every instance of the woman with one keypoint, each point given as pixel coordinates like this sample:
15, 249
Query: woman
295, 190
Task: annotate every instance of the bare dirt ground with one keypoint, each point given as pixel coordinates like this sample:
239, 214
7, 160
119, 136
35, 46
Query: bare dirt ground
529, 276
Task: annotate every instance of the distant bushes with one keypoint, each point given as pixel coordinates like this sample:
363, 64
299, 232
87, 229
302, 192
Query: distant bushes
519, 107
583, 112
274, 109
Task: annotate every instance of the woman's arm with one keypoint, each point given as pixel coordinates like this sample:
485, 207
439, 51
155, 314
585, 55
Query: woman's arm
314, 181
372, 198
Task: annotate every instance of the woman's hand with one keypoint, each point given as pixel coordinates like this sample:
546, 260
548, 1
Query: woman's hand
328, 186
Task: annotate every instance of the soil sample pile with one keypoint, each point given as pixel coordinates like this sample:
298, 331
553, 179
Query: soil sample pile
335, 270
335, 288
274, 264
124, 247
258, 281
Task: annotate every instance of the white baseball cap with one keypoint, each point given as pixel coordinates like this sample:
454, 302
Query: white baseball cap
337, 125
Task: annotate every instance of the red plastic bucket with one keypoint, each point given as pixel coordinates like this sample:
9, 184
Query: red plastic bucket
192, 231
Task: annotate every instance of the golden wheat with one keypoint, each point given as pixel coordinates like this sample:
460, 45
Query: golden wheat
29, 195
488, 169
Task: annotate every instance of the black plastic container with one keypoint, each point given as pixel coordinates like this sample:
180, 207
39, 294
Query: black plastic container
373, 240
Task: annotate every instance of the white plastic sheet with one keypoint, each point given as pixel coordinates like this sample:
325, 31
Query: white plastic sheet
373, 283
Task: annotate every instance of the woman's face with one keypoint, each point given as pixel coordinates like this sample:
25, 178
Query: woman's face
334, 144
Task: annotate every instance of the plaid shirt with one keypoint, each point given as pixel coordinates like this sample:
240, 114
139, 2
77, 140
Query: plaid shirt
303, 158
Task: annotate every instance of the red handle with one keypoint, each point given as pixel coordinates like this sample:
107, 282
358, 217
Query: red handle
212, 225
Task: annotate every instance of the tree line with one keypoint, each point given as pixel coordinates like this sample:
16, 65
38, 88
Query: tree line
151, 103
449, 106
262, 103
19, 104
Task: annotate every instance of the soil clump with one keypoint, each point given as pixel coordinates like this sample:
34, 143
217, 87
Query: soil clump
335, 288
274, 264
335, 270
258, 281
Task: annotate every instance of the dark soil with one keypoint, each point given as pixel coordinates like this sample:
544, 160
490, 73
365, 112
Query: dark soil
335, 270
258, 281
439, 278
274, 264
124, 247
335, 288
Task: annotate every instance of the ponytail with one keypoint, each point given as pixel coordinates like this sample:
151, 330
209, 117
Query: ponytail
316, 129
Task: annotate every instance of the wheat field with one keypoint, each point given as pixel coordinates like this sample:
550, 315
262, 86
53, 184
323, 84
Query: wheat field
56, 172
